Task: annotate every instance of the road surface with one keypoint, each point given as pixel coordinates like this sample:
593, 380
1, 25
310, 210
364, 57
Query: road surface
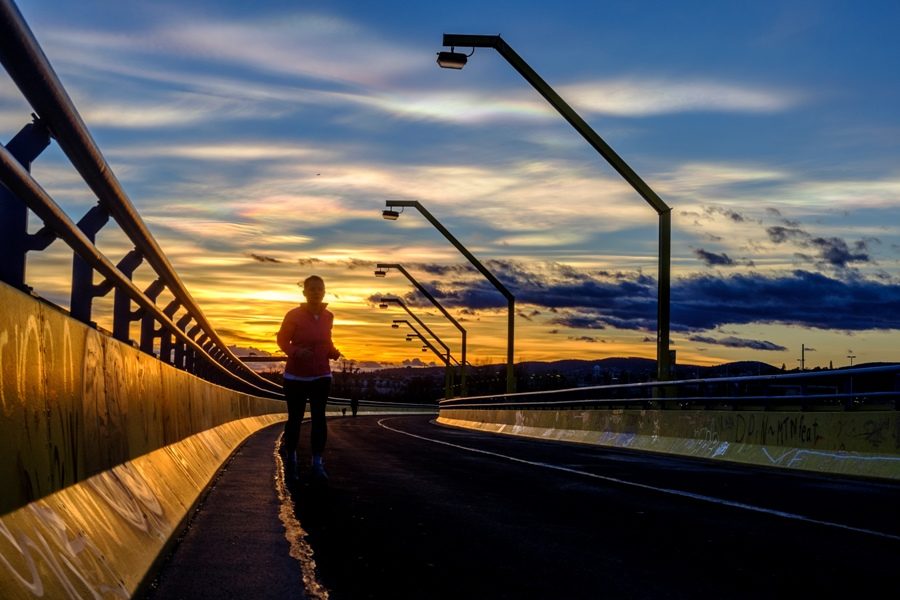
417, 510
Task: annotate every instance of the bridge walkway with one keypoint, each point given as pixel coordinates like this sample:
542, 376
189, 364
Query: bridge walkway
415, 510
235, 544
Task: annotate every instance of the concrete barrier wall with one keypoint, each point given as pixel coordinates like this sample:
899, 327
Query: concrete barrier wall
849, 443
105, 450
75, 402
101, 537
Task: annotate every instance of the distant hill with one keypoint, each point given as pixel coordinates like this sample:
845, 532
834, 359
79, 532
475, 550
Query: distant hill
632, 365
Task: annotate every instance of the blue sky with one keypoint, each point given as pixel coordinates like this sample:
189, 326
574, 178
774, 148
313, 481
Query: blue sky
259, 142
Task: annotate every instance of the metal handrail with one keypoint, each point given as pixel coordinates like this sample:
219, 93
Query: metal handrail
20, 182
30, 69
551, 397
341, 401
685, 399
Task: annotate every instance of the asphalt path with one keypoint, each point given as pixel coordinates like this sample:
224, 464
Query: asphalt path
413, 509
418, 510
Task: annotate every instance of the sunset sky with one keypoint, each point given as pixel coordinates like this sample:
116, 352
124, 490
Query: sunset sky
259, 141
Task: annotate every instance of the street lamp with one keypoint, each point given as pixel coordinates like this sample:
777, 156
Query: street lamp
383, 267
401, 304
395, 324
448, 384
663, 358
510, 299
452, 59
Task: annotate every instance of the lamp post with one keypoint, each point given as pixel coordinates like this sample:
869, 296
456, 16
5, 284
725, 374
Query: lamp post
391, 215
430, 346
444, 357
381, 271
383, 302
456, 60
448, 376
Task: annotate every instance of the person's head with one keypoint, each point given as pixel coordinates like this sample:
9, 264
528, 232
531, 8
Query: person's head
314, 289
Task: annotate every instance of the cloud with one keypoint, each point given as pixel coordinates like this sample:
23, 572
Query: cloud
233, 334
599, 300
699, 302
578, 322
711, 259
618, 97
226, 151
416, 362
248, 351
308, 44
263, 259
353, 264
837, 253
649, 96
780, 235
586, 338
703, 302
309, 262
731, 214
466, 108
833, 251
735, 342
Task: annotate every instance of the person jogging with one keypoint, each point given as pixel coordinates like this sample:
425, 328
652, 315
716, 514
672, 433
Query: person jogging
305, 337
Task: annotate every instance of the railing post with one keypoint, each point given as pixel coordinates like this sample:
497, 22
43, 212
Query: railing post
147, 321
191, 364
181, 347
165, 340
25, 147
82, 272
121, 300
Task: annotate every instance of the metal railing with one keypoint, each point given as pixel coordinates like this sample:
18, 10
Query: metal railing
866, 388
186, 338
378, 405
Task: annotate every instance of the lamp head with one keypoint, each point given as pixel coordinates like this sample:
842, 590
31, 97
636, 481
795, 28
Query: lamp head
390, 215
382, 305
380, 272
451, 60
424, 348
394, 326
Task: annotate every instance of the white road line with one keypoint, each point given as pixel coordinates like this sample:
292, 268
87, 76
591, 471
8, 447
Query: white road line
644, 486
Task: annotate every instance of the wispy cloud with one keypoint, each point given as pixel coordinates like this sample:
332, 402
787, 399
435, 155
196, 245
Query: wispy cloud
832, 251
656, 96
623, 98
169, 109
711, 259
307, 44
735, 342
299, 44
225, 151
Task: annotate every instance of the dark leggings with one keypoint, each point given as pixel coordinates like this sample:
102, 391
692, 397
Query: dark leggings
296, 393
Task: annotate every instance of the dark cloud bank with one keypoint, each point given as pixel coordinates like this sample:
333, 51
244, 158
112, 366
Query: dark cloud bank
701, 302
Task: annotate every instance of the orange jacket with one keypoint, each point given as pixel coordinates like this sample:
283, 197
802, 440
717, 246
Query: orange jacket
303, 329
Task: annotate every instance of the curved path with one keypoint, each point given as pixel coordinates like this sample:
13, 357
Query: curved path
417, 510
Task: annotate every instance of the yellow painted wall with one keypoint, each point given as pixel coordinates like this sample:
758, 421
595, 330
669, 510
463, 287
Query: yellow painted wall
105, 451
75, 402
850, 443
